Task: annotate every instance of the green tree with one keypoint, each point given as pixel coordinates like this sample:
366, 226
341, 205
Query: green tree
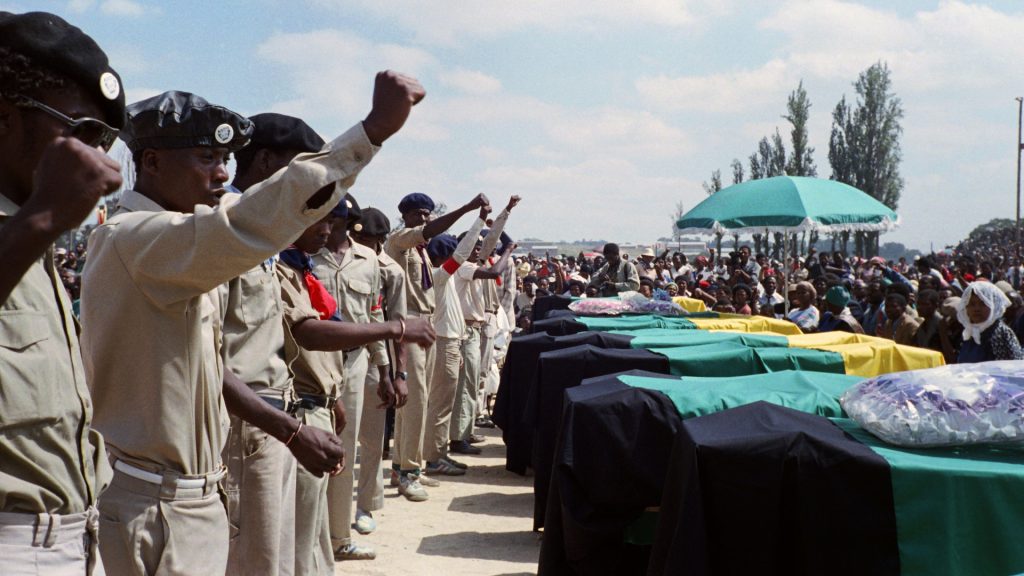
864, 147
801, 159
676, 215
737, 171
714, 185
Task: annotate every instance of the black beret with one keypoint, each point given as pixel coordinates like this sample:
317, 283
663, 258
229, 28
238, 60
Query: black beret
341, 210
354, 212
374, 223
415, 201
182, 120
53, 44
281, 132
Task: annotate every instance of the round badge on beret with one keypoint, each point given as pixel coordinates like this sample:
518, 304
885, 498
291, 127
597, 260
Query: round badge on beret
224, 133
349, 204
109, 86
358, 227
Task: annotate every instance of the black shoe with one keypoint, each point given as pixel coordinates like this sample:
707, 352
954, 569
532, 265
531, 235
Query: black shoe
463, 447
484, 422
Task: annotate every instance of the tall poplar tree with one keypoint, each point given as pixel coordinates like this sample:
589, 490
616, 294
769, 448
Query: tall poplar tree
864, 148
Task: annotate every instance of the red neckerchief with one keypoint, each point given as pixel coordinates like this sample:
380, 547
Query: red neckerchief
319, 297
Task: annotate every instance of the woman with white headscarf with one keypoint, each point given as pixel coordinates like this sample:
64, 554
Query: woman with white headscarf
980, 311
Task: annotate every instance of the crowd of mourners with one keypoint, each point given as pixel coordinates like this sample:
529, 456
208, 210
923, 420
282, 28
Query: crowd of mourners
964, 303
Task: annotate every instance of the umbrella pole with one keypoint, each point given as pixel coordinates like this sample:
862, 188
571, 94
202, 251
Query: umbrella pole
786, 271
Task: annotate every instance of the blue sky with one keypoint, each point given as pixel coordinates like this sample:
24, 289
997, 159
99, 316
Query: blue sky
602, 114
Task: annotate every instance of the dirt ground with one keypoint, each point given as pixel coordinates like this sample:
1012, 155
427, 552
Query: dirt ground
473, 525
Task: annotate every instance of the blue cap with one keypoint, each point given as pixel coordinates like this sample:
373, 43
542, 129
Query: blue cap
442, 246
416, 201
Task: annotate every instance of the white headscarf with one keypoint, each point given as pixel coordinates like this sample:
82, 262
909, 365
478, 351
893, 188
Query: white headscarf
992, 296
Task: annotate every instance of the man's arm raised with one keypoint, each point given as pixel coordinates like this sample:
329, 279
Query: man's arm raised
442, 223
69, 180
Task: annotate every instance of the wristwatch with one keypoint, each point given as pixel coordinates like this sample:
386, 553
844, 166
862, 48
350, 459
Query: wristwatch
402, 375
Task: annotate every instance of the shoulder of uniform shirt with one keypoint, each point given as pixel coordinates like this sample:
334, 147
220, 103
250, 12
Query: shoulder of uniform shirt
362, 251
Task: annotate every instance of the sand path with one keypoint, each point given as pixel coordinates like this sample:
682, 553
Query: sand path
473, 525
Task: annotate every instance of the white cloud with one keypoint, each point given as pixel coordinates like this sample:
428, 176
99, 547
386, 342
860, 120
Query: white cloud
122, 8
471, 82
447, 24
619, 133
329, 74
607, 197
140, 93
80, 6
725, 92
129, 8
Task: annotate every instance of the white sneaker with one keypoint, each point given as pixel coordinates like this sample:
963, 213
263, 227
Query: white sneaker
409, 486
429, 481
365, 523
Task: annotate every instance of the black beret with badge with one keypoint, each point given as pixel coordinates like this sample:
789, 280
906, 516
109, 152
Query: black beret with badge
374, 223
183, 120
51, 43
282, 132
355, 213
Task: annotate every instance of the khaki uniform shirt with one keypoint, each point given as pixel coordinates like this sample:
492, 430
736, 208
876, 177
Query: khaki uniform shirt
354, 283
316, 372
448, 319
253, 340
408, 248
392, 304
51, 460
152, 315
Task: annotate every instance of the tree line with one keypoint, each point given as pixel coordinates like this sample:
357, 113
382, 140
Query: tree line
863, 151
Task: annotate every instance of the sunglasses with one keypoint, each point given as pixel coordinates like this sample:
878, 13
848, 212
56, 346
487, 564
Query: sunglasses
90, 131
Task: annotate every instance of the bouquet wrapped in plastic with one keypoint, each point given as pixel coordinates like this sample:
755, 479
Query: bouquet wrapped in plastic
627, 303
598, 307
946, 406
640, 304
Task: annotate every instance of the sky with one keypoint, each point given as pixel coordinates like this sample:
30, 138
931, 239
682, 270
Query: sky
601, 114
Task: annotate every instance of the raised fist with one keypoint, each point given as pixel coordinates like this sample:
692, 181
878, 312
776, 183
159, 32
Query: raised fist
394, 95
69, 180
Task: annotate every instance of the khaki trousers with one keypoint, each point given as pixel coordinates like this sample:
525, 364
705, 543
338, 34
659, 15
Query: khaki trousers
313, 553
464, 410
146, 530
487, 336
341, 488
371, 446
260, 489
407, 452
443, 384
49, 544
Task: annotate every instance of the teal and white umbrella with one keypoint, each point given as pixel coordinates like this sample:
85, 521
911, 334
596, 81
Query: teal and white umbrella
788, 204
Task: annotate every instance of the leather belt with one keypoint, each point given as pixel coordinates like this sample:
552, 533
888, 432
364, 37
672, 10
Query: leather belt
310, 401
158, 479
280, 404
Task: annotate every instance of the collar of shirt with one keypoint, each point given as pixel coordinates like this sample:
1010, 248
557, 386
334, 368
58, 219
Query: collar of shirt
132, 201
7, 206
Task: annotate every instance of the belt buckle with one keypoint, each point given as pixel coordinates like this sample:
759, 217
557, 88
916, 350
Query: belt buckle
331, 401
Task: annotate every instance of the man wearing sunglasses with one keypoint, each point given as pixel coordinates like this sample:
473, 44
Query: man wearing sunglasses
52, 174
154, 314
